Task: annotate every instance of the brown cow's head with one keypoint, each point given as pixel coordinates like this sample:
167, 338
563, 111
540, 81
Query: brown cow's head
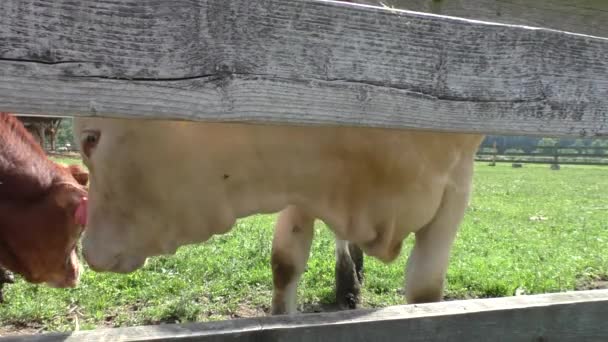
39, 237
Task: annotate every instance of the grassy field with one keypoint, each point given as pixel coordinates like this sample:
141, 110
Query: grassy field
528, 230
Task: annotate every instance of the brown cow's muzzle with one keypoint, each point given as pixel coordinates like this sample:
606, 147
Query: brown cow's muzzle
70, 276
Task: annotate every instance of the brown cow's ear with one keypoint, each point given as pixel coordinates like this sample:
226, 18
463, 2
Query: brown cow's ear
81, 176
68, 196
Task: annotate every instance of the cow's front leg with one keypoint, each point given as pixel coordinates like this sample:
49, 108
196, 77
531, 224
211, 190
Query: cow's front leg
349, 274
6, 277
290, 250
428, 262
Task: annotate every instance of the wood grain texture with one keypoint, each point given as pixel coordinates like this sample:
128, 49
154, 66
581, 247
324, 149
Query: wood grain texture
580, 16
570, 316
300, 63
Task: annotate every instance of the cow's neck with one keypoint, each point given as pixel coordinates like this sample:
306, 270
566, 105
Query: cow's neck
15, 222
20, 151
267, 177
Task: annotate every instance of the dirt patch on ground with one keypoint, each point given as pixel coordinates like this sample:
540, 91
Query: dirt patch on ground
20, 329
320, 307
592, 284
248, 311
245, 311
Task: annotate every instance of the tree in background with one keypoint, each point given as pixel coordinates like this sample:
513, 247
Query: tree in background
65, 135
600, 143
548, 142
60, 132
51, 132
503, 143
41, 127
532, 145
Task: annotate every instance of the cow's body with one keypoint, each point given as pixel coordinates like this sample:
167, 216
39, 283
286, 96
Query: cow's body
39, 200
158, 185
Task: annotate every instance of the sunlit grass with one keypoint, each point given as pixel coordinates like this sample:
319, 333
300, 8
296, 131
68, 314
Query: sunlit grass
529, 230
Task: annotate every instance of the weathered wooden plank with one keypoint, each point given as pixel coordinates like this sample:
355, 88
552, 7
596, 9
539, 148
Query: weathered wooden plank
570, 316
299, 62
581, 16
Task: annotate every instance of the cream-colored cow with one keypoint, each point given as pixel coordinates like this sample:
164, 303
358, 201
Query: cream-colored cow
158, 185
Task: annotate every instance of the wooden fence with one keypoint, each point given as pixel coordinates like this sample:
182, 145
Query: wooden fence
569, 316
467, 66
547, 155
307, 62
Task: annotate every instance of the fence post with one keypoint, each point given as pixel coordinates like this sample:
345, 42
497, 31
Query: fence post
555, 165
493, 162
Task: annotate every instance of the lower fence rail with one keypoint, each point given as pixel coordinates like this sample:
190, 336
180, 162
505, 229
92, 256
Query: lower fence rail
567, 316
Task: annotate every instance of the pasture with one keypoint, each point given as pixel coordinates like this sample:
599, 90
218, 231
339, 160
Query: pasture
528, 230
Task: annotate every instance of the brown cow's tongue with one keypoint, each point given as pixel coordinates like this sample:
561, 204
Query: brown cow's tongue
81, 212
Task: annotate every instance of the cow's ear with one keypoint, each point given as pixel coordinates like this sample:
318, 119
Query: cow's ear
68, 196
81, 176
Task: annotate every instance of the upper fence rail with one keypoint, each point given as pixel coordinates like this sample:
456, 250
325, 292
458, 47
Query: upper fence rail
303, 62
580, 16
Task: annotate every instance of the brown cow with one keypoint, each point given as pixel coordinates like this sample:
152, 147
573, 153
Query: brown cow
41, 209
373, 187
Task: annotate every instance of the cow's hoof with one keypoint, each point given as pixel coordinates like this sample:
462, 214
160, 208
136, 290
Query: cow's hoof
348, 301
2, 292
347, 297
279, 308
6, 277
348, 290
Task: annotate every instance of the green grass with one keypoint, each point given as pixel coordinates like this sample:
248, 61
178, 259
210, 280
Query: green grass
68, 160
501, 248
